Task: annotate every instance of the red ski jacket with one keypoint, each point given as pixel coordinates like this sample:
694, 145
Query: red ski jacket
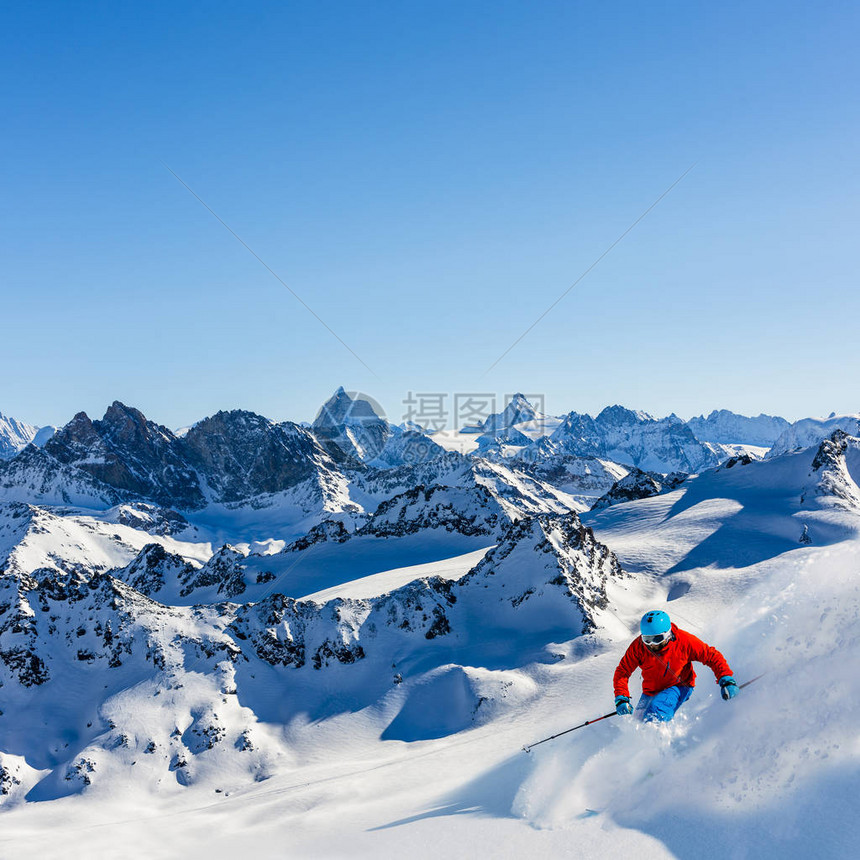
670, 666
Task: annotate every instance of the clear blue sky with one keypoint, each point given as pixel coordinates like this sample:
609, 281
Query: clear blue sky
428, 177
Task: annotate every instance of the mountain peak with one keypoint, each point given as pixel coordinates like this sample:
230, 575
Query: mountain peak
14, 436
346, 408
354, 423
120, 415
622, 415
517, 411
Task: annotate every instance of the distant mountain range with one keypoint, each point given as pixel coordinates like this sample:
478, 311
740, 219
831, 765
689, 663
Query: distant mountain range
238, 455
16, 435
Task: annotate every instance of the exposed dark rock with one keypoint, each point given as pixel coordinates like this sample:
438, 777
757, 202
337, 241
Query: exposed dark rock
640, 485
242, 454
225, 569
831, 451
8, 780
468, 512
153, 567
130, 453
740, 460
332, 531
834, 481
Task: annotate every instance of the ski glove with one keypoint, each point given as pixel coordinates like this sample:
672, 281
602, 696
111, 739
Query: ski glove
622, 706
728, 687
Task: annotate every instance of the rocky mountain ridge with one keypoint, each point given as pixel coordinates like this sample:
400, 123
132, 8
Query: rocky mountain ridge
547, 577
629, 438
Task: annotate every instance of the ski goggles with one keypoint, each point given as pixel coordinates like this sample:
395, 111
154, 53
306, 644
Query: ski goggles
656, 638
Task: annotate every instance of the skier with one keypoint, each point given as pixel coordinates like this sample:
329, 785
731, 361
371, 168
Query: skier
665, 653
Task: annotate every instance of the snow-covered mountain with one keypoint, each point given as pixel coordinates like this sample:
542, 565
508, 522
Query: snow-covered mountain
353, 425
36, 476
627, 437
517, 411
729, 428
227, 458
133, 455
63, 629
740, 512
406, 447
14, 436
631, 439
811, 431
585, 478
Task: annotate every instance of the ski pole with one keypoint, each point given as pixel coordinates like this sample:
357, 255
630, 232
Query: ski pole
752, 680
529, 747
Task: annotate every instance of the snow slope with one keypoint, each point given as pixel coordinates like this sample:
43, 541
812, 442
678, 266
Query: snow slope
772, 774
810, 431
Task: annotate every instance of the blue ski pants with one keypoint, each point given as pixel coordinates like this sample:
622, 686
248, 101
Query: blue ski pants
662, 706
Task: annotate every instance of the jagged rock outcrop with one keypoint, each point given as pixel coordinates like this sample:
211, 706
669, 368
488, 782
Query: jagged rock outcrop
517, 411
639, 485
473, 511
577, 435
224, 573
328, 530
130, 453
547, 571
835, 472
240, 454
155, 569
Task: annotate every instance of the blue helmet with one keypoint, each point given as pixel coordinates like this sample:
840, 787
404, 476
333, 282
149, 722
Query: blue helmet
654, 623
